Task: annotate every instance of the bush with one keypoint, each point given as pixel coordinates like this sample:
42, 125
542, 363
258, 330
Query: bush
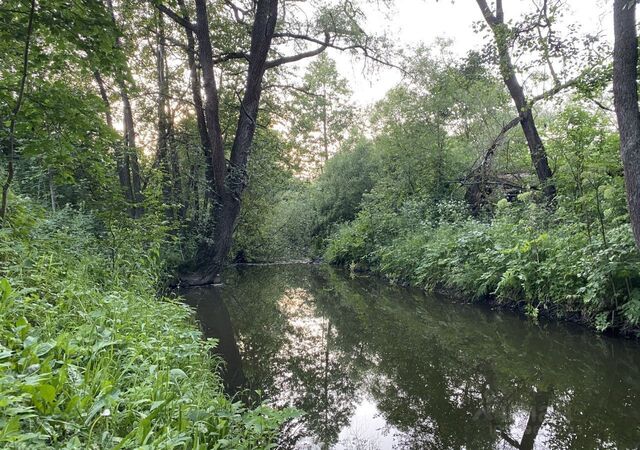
525, 256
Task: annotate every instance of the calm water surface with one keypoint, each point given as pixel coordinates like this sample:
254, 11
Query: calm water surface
382, 367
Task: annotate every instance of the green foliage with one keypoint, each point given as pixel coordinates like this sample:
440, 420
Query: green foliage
320, 115
91, 358
577, 261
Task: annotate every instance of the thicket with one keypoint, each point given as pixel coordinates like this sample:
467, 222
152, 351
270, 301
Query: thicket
91, 356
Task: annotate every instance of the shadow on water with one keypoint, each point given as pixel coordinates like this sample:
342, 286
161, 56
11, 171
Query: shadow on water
380, 367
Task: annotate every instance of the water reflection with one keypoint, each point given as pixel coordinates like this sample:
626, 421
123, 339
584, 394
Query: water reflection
380, 367
209, 304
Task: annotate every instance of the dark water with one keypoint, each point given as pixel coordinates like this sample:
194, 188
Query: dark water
382, 367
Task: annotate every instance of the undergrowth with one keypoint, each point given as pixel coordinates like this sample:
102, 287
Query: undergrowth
91, 358
525, 256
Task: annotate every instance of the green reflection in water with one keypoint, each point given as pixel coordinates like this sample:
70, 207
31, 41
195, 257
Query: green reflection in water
377, 366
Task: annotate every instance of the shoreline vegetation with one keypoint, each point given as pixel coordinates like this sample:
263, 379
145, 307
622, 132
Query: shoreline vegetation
91, 357
553, 270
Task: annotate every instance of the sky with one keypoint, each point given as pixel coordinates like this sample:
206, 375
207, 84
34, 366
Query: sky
412, 22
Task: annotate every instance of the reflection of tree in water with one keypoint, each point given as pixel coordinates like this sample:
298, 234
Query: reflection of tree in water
317, 377
456, 376
215, 322
289, 351
444, 375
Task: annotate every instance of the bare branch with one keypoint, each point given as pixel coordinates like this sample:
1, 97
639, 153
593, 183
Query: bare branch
238, 12
293, 88
554, 90
293, 58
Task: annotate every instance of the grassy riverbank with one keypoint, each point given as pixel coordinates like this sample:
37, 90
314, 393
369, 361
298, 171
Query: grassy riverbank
90, 357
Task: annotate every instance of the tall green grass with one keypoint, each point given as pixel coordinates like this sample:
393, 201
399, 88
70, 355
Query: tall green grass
90, 357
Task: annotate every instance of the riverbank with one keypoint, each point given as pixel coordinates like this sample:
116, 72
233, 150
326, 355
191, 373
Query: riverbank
525, 258
90, 357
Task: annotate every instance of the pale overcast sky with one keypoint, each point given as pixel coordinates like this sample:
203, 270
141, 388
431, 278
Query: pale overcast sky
413, 22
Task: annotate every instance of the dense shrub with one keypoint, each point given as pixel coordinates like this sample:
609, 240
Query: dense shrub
525, 255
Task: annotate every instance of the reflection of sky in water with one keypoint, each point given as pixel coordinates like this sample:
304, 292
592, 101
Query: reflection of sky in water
311, 333
367, 430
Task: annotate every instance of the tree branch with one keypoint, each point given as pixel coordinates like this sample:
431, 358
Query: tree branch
554, 90
293, 58
176, 17
329, 44
491, 19
293, 88
229, 56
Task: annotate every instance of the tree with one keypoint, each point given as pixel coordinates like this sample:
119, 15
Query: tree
24, 72
321, 114
501, 34
128, 165
52, 132
337, 27
625, 92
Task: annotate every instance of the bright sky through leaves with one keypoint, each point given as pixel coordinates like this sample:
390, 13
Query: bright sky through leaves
414, 22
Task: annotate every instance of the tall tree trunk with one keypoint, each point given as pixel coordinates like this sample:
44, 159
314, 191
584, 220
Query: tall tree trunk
325, 137
130, 162
212, 103
122, 168
625, 93
261, 35
507, 70
229, 191
196, 88
14, 113
131, 153
52, 188
162, 151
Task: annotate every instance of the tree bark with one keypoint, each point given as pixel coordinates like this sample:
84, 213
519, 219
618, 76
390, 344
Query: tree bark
537, 415
14, 113
212, 103
122, 168
130, 164
230, 181
162, 151
196, 88
261, 36
625, 93
507, 70
131, 154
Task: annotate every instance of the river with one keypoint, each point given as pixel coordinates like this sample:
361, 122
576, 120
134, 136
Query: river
375, 366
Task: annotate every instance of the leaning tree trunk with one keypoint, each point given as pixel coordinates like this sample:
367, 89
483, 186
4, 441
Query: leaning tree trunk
196, 88
261, 35
507, 70
625, 92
